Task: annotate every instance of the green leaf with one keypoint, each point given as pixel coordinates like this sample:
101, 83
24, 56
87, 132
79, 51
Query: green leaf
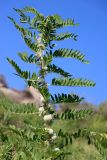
74, 114
22, 74
32, 45
67, 22
47, 59
23, 56
25, 32
29, 59
45, 92
24, 18
54, 68
63, 36
34, 11
67, 53
31, 10
66, 98
72, 82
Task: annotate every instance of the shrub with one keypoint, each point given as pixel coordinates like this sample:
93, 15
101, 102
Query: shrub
42, 142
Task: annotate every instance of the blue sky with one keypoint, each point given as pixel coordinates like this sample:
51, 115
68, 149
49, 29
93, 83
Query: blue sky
92, 39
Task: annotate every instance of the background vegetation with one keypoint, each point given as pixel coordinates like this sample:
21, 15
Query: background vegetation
79, 148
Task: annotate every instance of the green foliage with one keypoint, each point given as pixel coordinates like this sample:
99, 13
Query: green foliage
72, 82
64, 36
32, 138
29, 59
31, 44
20, 133
95, 134
22, 74
54, 68
64, 98
67, 53
74, 114
42, 46
20, 28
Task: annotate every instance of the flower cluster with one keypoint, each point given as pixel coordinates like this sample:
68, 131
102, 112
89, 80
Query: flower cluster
47, 118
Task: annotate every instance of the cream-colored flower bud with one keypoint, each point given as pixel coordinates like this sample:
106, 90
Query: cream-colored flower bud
48, 117
42, 99
41, 46
54, 136
41, 109
45, 68
56, 149
50, 130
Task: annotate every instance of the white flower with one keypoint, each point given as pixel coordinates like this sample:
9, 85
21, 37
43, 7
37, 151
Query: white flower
45, 68
42, 99
41, 46
56, 149
54, 136
50, 130
48, 117
41, 109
